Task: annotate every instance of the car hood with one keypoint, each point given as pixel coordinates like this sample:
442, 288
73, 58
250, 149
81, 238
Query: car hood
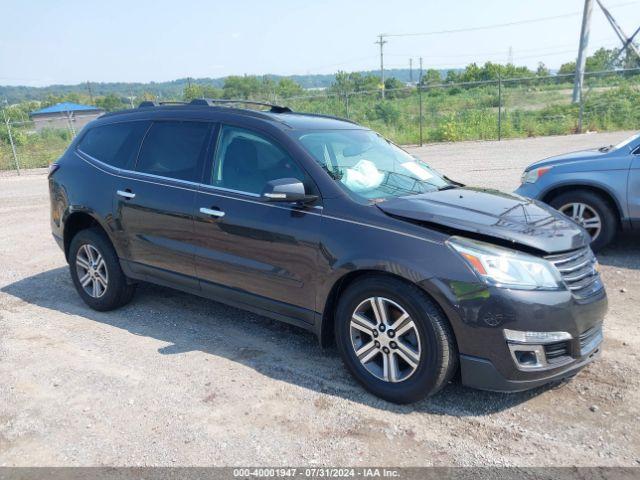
567, 158
491, 213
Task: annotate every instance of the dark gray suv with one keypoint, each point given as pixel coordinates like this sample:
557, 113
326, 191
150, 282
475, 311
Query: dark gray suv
324, 224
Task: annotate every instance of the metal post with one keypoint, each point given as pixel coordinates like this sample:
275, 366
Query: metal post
346, 104
13, 147
580, 114
381, 41
70, 124
420, 98
627, 42
582, 51
499, 107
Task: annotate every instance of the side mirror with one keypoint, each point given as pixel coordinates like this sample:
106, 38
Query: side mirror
286, 190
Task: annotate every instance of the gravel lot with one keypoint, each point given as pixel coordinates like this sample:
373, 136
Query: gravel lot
173, 379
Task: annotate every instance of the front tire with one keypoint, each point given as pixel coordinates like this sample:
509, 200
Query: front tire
592, 212
96, 272
394, 339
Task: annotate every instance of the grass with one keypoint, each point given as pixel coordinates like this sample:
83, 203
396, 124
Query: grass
450, 113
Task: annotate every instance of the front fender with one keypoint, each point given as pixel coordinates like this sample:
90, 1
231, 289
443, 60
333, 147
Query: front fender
615, 186
430, 265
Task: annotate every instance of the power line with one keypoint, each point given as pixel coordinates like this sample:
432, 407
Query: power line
516, 58
497, 25
484, 27
501, 52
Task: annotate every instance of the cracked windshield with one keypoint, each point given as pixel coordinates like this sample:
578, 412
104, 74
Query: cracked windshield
370, 166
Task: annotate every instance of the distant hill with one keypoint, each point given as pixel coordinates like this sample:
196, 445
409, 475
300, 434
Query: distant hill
171, 89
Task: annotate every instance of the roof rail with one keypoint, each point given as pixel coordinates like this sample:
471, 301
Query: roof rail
149, 103
213, 102
218, 101
322, 115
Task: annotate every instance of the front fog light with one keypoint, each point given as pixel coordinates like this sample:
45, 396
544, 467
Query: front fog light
517, 336
528, 357
538, 350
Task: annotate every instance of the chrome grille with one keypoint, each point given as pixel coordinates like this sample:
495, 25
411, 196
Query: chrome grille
589, 339
556, 351
578, 270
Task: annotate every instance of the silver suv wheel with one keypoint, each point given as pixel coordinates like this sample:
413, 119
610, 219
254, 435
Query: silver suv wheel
385, 339
92, 271
584, 215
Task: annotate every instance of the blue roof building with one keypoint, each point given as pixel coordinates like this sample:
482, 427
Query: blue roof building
64, 108
68, 115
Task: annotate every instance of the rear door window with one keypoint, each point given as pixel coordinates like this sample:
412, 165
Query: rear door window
175, 149
115, 144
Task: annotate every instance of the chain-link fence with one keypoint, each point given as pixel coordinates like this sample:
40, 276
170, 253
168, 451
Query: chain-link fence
26, 145
483, 110
489, 110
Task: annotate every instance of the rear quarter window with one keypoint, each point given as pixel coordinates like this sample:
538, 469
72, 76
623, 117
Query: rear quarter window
116, 144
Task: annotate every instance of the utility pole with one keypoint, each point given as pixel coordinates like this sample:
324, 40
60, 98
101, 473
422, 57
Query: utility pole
626, 45
582, 51
627, 42
420, 98
411, 70
499, 106
90, 92
381, 41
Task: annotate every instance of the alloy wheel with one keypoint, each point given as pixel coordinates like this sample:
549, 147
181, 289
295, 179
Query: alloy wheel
92, 271
385, 339
584, 215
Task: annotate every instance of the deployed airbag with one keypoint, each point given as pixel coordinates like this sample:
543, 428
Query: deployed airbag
362, 176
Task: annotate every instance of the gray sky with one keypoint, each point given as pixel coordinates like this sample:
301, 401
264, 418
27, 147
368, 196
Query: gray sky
67, 41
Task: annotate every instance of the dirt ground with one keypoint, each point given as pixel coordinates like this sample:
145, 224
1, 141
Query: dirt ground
172, 379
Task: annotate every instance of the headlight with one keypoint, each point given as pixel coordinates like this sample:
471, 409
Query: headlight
532, 176
507, 268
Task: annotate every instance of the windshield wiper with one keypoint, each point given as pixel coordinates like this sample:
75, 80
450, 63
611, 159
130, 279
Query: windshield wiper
605, 149
334, 175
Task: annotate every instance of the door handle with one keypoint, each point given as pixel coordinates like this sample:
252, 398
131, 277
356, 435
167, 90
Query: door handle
213, 213
126, 194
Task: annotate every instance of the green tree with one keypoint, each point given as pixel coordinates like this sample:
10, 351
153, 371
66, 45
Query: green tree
343, 83
568, 68
355, 82
394, 88
110, 102
246, 86
288, 88
200, 91
432, 77
542, 70
452, 76
602, 59
387, 111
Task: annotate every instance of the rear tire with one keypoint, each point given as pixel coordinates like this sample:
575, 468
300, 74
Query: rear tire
96, 272
585, 208
424, 335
